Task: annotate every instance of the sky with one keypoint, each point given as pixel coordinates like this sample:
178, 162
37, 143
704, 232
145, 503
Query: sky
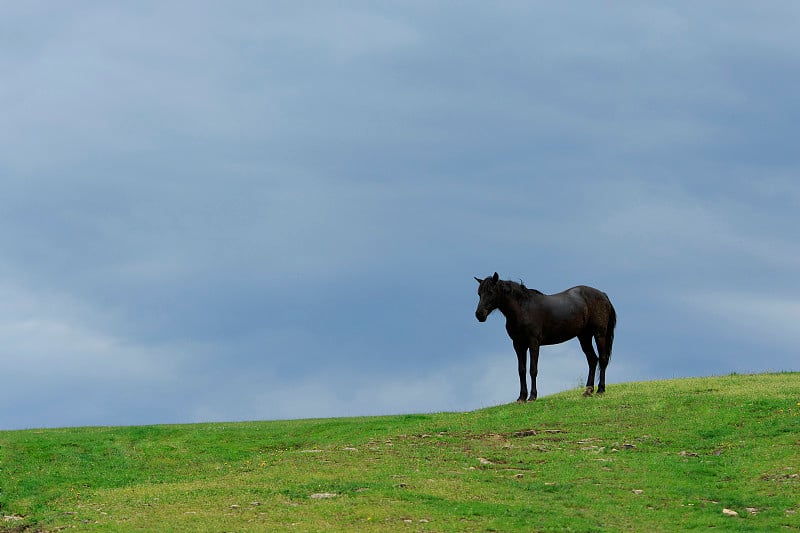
267, 210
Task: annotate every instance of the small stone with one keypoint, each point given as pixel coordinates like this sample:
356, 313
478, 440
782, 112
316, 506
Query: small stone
322, 495
627, 446
255, 504
234, 506
637, 491
729, 512
483, 461
408, 521
751, 510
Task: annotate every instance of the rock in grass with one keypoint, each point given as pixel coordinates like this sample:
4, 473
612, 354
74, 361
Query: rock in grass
729, 512
323, 495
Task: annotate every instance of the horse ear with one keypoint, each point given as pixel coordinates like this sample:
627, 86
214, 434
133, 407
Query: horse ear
495, 277
477, 279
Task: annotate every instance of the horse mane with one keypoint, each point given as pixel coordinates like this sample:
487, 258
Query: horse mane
518, 290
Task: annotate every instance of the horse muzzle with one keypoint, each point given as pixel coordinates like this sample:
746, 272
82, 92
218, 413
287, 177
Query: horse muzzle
481, 315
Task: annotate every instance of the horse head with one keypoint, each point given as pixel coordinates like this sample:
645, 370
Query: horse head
488, 291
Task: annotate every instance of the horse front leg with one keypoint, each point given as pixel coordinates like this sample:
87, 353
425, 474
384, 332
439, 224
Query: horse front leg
522, 350
534, 369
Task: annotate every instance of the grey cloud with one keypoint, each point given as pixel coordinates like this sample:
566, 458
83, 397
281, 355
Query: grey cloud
205, 201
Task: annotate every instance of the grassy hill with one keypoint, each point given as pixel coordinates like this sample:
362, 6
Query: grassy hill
654, 456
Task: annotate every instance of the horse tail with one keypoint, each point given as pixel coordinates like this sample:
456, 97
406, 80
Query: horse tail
612, 323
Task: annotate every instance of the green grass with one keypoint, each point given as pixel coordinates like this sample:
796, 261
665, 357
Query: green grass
654, 456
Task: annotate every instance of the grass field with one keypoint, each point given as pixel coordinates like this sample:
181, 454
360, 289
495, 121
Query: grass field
655, 456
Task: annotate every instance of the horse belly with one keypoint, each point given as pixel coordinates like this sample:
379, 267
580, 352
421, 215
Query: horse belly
558, 337
565, 322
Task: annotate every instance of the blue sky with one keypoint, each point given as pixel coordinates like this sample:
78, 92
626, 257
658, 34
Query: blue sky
261, 210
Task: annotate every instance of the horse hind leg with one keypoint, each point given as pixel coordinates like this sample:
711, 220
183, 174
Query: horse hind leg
591, 359
602, 349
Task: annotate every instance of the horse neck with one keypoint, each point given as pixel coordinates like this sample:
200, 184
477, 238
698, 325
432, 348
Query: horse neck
511, 309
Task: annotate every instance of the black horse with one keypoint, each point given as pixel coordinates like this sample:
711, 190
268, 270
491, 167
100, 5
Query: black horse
534, 319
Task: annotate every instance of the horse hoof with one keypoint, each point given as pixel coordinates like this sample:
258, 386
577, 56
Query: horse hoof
520, 400
588, 392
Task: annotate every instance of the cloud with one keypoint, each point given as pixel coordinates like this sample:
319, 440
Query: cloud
670, 225
62, 362
768, 318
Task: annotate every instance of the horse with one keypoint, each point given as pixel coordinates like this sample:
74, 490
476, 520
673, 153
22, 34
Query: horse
534, 319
